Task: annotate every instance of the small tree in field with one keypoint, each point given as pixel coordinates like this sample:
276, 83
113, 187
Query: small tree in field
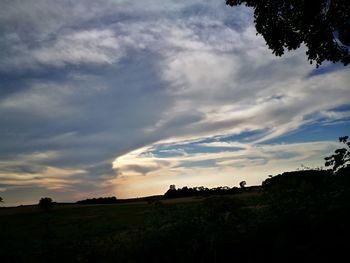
341, 157
45, 203
242, 184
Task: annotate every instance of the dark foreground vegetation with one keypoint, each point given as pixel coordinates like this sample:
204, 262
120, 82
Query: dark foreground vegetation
299, 216
100, 200
205, 192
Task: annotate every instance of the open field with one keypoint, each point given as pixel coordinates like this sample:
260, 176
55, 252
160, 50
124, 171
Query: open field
85, 233
295, 220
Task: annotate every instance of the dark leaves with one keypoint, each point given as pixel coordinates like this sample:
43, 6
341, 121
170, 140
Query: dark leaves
322, 26
341, 157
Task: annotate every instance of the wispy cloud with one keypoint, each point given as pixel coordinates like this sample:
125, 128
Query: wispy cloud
156, 88
225, 167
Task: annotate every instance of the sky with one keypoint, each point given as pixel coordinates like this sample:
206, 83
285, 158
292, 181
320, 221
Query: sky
123, 98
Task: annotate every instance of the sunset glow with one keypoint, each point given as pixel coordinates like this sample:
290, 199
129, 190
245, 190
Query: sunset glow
110, 97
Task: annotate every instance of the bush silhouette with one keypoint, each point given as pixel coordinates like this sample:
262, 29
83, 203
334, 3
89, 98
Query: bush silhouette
45, 203
100, 200
242, 184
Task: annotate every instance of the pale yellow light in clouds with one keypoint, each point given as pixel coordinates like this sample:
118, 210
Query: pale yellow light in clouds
142, 174
50, 177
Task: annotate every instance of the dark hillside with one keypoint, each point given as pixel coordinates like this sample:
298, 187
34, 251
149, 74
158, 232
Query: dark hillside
300, 216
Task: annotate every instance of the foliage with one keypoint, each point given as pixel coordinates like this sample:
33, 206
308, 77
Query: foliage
45, 203
100, 200
297, 192
1, 200
323, 26
199, 191
242, 184
341, 157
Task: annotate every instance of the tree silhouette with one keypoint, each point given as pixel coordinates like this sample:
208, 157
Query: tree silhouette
45, 203
100, 200
1, 200
323, 26
341, 157
242, 184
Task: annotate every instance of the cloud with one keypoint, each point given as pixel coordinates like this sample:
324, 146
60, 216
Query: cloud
99, 47
155, 87
95, 47
251, 163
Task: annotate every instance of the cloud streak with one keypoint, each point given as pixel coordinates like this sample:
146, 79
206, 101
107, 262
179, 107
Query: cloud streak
115, 98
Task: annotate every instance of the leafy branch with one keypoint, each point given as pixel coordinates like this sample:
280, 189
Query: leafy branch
341, 157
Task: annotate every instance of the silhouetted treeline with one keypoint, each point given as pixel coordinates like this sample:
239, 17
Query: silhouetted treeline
100, 200
316, 189
204, 191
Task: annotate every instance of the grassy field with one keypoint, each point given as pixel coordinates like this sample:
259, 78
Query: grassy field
129, 232
249, 227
